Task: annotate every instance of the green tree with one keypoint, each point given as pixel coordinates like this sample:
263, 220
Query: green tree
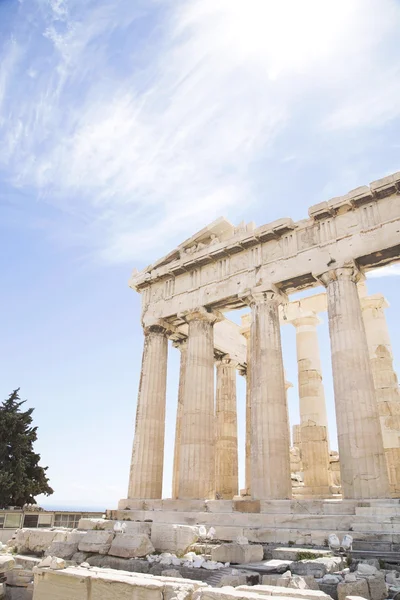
21, 476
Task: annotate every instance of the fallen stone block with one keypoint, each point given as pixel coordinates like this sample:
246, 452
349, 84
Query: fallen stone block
318, 567
173, 538
268, 590
289, 581
237, 553
237, 578
353, 588
224, 594
7, 563
96, 541
18, 593
79, 557
64, 550
328, 588
96, 524
377, 586
366, 569
19, 577
125, 545
171, 573
36, 541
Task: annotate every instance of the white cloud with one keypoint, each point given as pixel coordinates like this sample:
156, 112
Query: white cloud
145, 122
388, 271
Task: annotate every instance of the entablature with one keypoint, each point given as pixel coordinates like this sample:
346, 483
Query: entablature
363, 225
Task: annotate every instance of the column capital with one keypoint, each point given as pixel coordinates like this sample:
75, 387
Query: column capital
245, 327
265, 294
377, 301
180, 344
161, 327
226, 361
348, 271
201, 314
308, 320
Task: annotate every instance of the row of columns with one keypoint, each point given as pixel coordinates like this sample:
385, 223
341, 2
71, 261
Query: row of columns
199, 459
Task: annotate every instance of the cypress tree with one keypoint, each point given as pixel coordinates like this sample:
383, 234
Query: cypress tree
21, 476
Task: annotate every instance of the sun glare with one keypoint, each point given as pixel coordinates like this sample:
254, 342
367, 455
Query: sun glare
286, 33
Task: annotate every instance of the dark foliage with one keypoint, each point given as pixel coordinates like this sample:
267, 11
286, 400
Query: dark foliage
21, 476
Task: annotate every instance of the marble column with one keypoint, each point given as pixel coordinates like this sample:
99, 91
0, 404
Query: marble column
311, 389
270, 457
362, 458
146, 472
386, 383
182, 345
226, 447
197, 459
245, 331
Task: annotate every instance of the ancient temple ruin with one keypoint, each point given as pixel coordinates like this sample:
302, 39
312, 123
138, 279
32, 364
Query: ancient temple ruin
222, 267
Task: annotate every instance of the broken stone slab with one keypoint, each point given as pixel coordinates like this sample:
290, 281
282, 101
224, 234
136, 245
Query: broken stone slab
353, 588
36, 541
96, 541
318, 567
126, 545
269, 590
271, 566
235, 553
7, 563
132, 565
296, 553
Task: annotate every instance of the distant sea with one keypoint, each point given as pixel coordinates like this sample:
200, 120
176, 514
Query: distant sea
73, 508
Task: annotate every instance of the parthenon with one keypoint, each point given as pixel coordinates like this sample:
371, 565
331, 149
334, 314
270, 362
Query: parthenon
221, 268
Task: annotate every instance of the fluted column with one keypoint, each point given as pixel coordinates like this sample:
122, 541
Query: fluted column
311, 389
146, 472
182, 345
245, 331
386, 383
226, 447
362, 459
315, 459
197, 460
270, 458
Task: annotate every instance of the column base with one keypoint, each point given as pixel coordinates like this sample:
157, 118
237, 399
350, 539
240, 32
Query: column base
299, 521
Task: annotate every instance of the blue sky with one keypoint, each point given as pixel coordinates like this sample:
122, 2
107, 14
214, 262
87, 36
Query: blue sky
126, 126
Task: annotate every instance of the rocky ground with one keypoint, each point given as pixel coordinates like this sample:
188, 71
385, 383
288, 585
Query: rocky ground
312, 572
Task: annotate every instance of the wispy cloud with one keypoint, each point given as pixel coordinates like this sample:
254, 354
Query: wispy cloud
143, 121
